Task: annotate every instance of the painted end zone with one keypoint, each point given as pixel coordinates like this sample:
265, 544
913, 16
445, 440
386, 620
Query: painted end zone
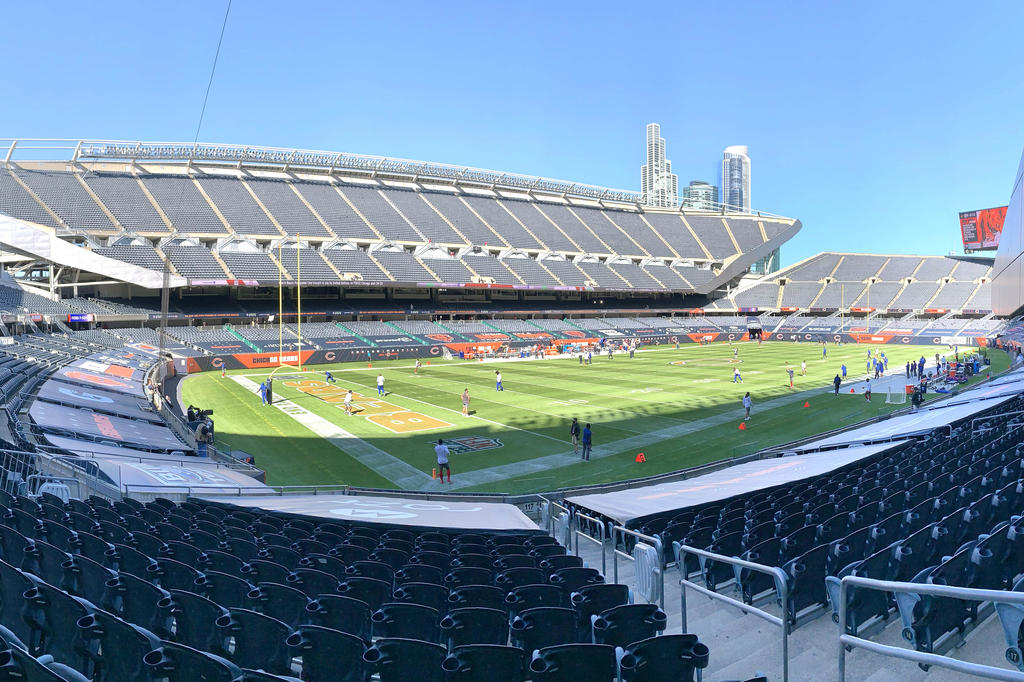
394, 418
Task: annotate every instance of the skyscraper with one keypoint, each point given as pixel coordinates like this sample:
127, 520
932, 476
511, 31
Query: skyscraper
736, 179
700, 196
659, 185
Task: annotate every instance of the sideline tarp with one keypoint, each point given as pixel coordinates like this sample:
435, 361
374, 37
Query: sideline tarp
908, 424
395, 511
176, 478
68, 420
625, 505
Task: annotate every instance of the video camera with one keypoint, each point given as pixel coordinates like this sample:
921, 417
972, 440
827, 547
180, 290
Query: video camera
204, 413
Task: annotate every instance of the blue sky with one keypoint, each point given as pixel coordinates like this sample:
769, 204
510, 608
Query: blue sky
874, 123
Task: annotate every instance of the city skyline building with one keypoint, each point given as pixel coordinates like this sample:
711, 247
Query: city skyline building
736, 178
659, 185
700, 196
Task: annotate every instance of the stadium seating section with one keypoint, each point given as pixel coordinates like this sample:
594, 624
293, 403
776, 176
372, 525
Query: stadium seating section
181, 217
130, 591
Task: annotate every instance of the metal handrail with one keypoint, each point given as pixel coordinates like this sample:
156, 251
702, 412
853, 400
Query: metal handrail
659, 548
576, 533
974, 429
921, 657
781, 585
551, 524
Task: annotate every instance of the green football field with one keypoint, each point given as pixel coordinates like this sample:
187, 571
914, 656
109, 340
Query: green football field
678, 407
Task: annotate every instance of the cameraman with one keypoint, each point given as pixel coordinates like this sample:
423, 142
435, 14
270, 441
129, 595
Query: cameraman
204, 436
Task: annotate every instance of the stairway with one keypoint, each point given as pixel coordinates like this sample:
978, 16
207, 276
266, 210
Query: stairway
228, 328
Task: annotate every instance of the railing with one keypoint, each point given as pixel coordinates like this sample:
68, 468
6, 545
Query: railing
974, 429
922, 657
659, 548
777, 574
576, 533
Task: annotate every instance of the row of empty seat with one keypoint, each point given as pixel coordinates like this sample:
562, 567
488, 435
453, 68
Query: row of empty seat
125, 591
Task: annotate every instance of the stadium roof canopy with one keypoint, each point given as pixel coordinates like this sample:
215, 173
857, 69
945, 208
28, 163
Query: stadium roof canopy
327, 162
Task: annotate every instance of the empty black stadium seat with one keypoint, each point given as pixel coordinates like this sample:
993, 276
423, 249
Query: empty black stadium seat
474, 626
622, 625
328, 655
283, 602
400, 660
424, 594
543, 626
115, 648
179, 663
574, 662
256, 640
406, 621
668, 658
484, 596
341, 613
486, 663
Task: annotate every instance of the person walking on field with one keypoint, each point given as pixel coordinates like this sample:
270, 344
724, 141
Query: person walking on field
587, 438
867, 390
416, 367
441, 450
497, 381
803, 368
348, 402
843, 370
328, 377
837, 382
789, 370
747, 403
736, 377
380, 385
574, 433
465, 403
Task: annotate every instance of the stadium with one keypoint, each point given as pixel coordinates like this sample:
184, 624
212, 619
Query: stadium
166, 521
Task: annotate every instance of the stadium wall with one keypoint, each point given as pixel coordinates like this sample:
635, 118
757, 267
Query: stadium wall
1008, 272
324, 357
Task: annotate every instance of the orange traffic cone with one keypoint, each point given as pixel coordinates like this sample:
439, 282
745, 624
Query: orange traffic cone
369, 364
743, 426
640, 458
428, 363
433, 473
851, 390
807, 403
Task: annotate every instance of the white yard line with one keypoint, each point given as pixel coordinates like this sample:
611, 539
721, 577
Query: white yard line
400, 473
473, 416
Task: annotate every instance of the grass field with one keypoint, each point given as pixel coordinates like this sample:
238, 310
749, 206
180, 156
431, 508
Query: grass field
679, 407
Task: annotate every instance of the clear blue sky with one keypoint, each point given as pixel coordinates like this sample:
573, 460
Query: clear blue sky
874, 122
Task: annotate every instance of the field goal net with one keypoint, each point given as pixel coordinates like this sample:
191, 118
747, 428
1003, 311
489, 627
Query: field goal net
446, 353
897, 393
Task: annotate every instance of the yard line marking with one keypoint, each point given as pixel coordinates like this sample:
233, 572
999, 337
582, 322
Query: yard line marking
398, 472
473, 416
618, 410
529, 409
548, 463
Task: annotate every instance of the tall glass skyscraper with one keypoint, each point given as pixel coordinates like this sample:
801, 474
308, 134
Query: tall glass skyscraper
736, 179
659, 184
700, 196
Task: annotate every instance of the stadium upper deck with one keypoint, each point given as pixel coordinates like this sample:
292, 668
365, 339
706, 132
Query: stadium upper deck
217, 213
831, 281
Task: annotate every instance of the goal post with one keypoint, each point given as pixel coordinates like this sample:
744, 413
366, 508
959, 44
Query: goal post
447, 354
